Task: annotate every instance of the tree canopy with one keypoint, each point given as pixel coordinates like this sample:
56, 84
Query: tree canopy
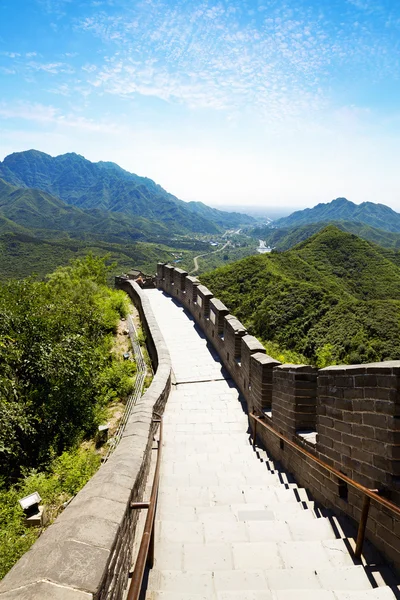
55, 353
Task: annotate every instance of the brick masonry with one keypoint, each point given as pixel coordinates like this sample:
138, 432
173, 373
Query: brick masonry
294, 398
355, 411
86, 553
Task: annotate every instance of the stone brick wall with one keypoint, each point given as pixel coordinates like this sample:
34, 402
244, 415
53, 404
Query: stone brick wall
86, 553
294, 398
355, 411
359, 422
261, 372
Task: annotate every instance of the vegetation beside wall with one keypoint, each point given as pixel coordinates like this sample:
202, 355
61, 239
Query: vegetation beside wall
62, 479
58, 375
334, 298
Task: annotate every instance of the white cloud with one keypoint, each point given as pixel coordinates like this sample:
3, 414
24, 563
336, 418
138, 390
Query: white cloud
205, 54
10, 54
50, 115
7, 71
50, 67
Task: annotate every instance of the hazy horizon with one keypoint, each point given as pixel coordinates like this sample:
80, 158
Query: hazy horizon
285, 104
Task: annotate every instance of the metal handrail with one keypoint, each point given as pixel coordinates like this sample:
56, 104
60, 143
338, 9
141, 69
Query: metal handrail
146, 549
368, 494
141, 372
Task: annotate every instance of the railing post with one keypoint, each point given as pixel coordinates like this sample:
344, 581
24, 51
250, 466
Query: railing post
255, 433
362, 526
150, 556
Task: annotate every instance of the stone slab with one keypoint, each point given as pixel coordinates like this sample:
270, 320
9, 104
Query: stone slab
45, 590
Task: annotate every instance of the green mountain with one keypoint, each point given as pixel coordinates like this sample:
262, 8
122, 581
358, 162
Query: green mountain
375, 215
334, 298
22, 254
45, 215
107, 187
286, 237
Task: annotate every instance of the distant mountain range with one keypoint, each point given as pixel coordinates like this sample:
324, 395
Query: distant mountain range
284, 238
341, 209
114, 193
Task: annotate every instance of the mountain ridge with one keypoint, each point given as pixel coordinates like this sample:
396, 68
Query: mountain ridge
373, 214
106, 186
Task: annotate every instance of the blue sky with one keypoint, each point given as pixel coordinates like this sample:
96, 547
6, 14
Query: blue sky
232, 102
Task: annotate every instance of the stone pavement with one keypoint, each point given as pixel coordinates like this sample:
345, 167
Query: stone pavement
230, 524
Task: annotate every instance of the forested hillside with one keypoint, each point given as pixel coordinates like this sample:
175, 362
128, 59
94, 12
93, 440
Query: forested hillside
284, 238
22, 255
104, 186
334, 298
55, 341
58, 375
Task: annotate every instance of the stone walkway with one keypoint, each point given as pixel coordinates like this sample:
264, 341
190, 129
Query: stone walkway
231, 525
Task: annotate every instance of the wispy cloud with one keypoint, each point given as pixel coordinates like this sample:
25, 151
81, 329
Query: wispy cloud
10, 54
272, 58
50, 67
50, 115
55, 7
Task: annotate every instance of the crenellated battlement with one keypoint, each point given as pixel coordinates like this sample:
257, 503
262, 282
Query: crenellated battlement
353, 410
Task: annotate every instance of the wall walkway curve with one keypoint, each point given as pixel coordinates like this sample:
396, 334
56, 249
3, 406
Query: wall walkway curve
353, 412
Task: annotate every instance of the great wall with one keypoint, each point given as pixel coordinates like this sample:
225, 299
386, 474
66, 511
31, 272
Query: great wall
272, 420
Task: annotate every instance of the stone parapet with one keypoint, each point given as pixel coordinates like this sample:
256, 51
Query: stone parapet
294, 398
169, 278
218, 312
160, 273
203, 301
179, 282
233, 333
86, 554
261, 372
192, 284
359, 421
354, 410
249, 346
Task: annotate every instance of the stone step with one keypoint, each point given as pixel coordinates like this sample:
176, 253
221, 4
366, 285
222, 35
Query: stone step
258, 512
222, 556
381, 593
209, 495
282, 583
213, 530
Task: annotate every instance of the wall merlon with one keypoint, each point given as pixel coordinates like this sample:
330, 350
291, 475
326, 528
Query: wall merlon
191, 285
218, 312
261, 369
355, 410
252, 344
233, 332
203, 300
180, 279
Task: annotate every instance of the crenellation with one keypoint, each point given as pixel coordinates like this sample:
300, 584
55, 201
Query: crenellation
261, 369
294, 398
233, 332
203, 301
179, 278
192, 284
218, 312
169, 278
354, 409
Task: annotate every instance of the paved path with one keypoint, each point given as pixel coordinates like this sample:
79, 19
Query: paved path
230, 525
196, 258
